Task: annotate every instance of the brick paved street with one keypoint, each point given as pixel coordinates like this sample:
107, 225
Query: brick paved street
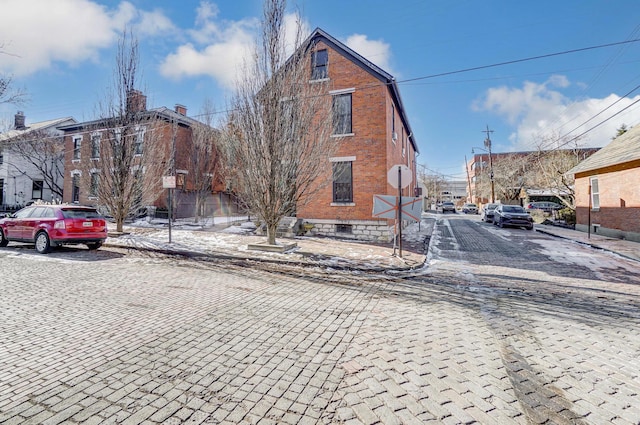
122, 337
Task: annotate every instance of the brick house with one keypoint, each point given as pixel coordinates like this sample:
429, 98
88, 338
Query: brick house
374, 135
82, 141
31, 164
608, 191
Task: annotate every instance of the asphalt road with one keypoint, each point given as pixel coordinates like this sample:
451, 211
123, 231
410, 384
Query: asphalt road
502, 326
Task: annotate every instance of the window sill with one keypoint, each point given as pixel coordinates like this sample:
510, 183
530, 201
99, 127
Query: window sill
595, 209
343, 204
343, 135
319, 80
75, 161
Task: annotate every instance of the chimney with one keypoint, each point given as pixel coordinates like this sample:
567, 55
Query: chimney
136, 101
19, 121
181, 109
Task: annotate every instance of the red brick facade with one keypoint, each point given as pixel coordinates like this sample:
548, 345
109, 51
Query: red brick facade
618, 212
371, 148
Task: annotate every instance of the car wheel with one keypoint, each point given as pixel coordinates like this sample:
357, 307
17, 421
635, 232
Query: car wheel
43, 245
94, 246
530, 227
500, 224
3, 240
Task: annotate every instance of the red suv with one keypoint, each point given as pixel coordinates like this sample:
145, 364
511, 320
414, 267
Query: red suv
48, 226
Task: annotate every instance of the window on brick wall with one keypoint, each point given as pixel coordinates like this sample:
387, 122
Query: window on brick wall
342, 182
595, 193
95, 146
319, 65
75, 192
342, 114
77, 142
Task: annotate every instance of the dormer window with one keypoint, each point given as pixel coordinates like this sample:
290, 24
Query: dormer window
319, 65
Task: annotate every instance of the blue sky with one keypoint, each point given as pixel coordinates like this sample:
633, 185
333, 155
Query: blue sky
62, 53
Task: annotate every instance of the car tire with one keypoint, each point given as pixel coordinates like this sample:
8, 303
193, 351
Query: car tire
3, 240
500, 224
94, 246
43, 244
530, 227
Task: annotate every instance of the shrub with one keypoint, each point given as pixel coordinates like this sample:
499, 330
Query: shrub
568, 215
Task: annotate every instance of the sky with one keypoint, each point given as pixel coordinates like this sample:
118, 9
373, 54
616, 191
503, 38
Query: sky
534, 73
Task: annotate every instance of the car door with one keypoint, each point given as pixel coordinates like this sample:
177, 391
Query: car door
15, 225
30, 223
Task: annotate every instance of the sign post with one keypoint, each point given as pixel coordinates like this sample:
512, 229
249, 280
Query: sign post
395, 179
169, 183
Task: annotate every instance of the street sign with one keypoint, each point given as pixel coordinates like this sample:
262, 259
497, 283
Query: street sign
399, 172
168, 182
386, 206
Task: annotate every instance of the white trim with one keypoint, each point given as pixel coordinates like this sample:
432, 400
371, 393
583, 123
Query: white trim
342, 91
342, 159
76, 173
342, 135
343, 204
182, 172
319, 80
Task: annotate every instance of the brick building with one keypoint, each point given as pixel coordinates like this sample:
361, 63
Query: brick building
164, 130
607, 189
374, 135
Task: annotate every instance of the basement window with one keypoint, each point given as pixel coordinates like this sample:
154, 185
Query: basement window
344, 228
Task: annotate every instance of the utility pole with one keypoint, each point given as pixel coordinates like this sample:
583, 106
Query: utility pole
487, 144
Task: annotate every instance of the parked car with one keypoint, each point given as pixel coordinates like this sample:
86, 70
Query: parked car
544, 206
49, 226
512, 215
487, 212
448, 206
469, 208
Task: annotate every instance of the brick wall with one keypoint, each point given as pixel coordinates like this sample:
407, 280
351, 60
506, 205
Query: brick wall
374, 151
619, 194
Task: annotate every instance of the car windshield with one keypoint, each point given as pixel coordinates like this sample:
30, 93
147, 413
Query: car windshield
80, 213
491, 206
512, 209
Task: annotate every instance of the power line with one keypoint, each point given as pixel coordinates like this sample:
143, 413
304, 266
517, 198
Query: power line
548, 55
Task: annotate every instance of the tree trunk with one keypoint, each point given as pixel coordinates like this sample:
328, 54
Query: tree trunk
271, 233
197, 210
119, 225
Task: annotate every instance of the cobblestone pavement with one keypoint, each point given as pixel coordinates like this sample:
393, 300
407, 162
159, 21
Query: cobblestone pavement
121, 337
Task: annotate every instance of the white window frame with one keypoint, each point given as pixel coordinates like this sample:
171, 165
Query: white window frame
595, 194
77, 148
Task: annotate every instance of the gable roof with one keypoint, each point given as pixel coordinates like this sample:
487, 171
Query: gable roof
623, 149
371, 68
36, 126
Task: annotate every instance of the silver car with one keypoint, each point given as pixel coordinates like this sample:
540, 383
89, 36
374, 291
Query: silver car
487, 212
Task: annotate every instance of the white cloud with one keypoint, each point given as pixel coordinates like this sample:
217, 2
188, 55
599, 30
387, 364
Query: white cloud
376, 51
219, 48
538, 111
38, 33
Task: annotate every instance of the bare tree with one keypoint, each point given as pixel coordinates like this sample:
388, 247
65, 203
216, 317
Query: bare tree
278, 140
434, 184
204, 160
549, 165
127, 159
45, 152
9, 94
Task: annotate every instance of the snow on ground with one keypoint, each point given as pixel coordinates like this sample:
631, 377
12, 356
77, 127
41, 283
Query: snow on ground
232, 235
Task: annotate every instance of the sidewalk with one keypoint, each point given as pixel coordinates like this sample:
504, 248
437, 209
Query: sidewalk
627, 249
310, 251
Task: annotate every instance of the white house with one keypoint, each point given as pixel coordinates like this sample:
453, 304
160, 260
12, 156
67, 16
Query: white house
31, 162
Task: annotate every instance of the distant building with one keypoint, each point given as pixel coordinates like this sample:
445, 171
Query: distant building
512, 177
31, 162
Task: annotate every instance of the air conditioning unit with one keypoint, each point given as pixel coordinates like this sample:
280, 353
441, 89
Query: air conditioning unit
394, 136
